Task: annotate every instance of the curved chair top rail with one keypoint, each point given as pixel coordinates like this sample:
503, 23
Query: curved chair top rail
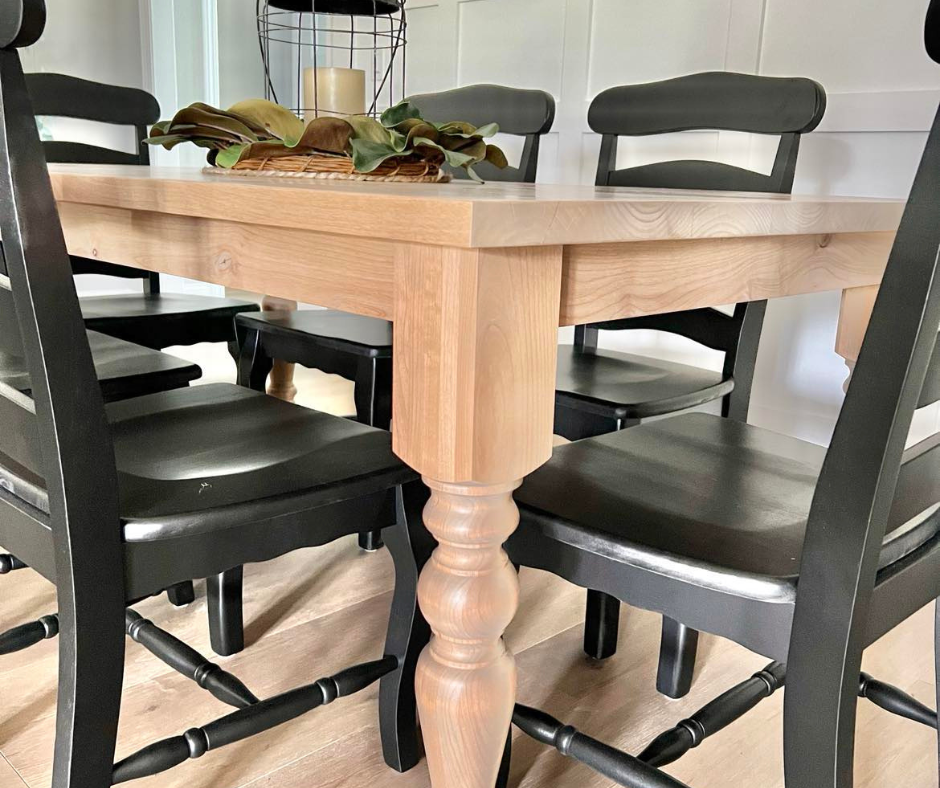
517, 111
21, 23
718, 100
64, 96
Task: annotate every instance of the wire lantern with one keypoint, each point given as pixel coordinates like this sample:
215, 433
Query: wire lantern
333, 57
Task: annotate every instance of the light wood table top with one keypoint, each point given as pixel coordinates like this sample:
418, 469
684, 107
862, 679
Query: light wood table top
466, 214
477, 280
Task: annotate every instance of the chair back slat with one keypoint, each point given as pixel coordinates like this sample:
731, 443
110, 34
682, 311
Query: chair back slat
930, 393
709, 327
11, 341
522, 113
61, 432
918, 486
20, 441
697, 176
62, 152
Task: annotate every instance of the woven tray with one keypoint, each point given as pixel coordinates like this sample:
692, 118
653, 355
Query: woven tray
335, 168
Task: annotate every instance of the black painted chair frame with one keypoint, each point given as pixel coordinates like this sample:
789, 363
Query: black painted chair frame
716, 101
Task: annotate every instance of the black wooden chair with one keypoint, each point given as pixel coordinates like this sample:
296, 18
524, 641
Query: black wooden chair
800, 554
599, 390
153, 319
115, 503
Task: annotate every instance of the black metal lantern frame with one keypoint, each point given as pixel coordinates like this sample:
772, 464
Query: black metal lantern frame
298, 35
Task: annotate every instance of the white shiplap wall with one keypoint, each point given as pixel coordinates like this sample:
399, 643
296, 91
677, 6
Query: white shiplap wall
868, 53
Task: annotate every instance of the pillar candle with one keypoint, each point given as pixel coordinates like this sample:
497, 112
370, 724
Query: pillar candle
334, 91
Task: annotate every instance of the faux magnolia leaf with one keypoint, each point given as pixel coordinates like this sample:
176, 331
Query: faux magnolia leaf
229, 157
171, 141
369, 129
496, 157
256, 127
280, 122
464, 129
419, 128
200, 118
367, 155
327, 134
453, 158
401, 112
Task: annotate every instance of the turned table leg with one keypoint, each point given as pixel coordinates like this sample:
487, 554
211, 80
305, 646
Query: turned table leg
854, 315
475, 353
281, 380
469, 593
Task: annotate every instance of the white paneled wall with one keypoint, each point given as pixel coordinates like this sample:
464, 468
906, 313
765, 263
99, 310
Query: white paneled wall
867, 53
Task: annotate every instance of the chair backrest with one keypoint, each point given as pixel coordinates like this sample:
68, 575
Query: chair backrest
64, 96
736, 335
60, 432
716, 100
523, 113
869, 483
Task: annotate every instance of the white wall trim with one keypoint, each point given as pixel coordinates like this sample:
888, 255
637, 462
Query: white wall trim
210, 20
146, 46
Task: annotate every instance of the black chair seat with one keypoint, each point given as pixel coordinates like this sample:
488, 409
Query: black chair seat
124, 369
624, 386
325, 328
214, 457
696, 497
163, 319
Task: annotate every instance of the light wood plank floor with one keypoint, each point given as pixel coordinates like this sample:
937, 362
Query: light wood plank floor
315, 611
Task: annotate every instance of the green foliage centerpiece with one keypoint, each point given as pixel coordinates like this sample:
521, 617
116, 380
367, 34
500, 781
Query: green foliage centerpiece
258, 136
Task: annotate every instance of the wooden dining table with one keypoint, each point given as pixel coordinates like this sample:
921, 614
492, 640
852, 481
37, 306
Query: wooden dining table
477, 279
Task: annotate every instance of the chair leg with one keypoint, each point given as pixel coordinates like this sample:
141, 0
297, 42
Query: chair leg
226, 628
254, 365
574, 425
373, 396
181, 594
91, 670
601, 625
819, 716
676, 659
371, 541
410, 546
